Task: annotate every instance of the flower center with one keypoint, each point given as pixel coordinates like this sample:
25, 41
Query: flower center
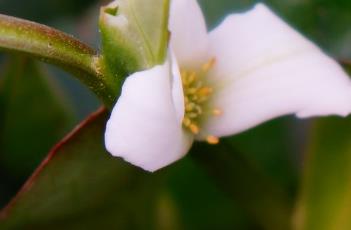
196, 94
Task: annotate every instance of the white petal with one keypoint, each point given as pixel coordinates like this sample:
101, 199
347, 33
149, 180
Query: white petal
144, 127
177, 88
265, 69
189, 37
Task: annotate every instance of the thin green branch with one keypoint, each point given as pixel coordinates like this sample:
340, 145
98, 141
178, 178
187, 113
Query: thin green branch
53, 46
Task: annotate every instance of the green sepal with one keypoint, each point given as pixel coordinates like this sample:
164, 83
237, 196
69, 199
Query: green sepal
134, 36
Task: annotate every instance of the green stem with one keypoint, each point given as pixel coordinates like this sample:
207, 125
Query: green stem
55, 47
244, 183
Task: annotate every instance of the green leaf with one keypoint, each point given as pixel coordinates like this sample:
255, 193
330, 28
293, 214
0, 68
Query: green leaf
80, 186
43, 10
137, 32
267, 203
33, 117
325, 199
201, 203
272, 148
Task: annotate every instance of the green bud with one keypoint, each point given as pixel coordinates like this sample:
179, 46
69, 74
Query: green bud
134, 36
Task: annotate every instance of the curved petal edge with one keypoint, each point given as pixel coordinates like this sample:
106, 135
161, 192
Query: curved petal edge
189, 38
266, 69
144, 128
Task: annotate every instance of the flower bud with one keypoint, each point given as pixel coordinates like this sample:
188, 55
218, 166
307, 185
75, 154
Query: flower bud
134, 35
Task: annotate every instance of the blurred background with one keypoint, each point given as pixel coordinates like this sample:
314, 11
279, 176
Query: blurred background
35, 114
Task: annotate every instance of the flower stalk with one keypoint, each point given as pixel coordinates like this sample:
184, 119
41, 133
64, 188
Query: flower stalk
55, 47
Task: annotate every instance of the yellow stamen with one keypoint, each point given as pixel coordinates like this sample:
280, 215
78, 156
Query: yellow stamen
207, 66
196, 94
192, 78
183, 73
186, 121
205, 91
212, 140
189, 106
217, 112
194, 129
192, 115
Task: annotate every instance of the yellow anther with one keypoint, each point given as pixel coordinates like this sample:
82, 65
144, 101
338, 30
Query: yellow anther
192, 115
198, 110
186, 121
217, 112
207, 66
202, 99
212, 140
189, 106
191, 90
191, 78
205, 91
183, 74
194, 129
196, 94
186, 99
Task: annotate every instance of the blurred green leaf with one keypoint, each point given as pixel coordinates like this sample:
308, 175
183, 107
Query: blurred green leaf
272, 148
201, 203
42, 9
33, 117
80, 186
325, 199
234, 174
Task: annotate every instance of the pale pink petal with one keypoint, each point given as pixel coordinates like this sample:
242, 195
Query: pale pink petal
189, 38
265, 69
145, 126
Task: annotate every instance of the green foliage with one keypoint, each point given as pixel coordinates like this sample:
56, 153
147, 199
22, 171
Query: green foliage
201, 203
85, 186
325, 199
42, 10
241, 180
80, 186
33, 117
271, 148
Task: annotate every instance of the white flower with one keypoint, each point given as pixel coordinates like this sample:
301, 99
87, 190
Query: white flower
252, 68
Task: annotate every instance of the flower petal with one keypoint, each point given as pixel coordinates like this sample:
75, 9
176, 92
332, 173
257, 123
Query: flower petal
144, 127
189, 37
265, 69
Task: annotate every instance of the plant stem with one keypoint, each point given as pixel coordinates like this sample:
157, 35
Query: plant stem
55, 47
